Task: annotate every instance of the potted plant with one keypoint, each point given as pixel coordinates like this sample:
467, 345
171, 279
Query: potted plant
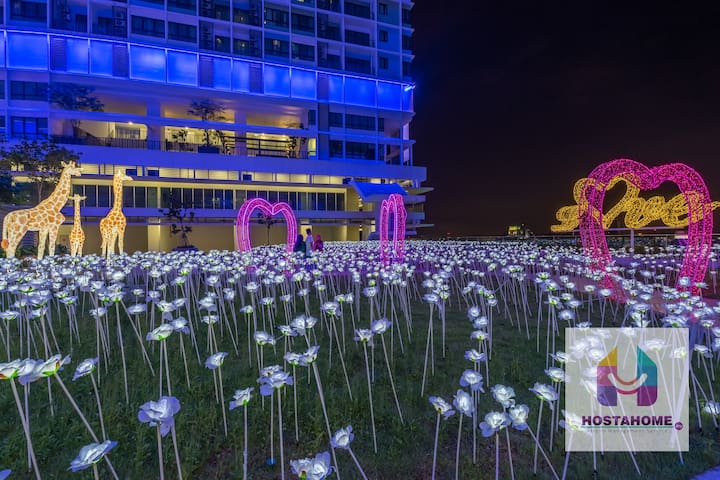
208, 111
179, 215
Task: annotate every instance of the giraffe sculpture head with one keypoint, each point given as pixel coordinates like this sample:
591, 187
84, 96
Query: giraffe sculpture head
77, 197
122, 177
72, 168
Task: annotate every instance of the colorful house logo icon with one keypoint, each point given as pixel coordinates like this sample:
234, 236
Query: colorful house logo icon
609, 384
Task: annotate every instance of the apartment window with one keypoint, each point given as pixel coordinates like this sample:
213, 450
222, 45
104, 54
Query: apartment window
358, 65
358, 10
182, 32
217, 10
335, 120
278, 48
2, 90
383, 9
103, 195
381, 124
359, 150
312, 117
336, 148
383, 35
303, 52
276, 18
360, 122
28, 11
358, 38
183, 6
407, 42
28, 91
148, 26
222, 44
303, 23
383, 63
406, 69
244, 47
406, 20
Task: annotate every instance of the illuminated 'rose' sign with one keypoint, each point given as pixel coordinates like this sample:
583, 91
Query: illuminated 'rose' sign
267, 208
393, 205
693, 189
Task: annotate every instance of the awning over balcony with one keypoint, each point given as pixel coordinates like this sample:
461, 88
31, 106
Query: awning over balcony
376, 192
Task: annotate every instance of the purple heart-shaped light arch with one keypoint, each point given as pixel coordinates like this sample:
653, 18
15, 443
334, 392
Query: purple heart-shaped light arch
267, 208
393, 205
692, 187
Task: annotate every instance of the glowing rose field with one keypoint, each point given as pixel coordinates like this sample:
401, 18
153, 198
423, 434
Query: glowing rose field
449, 362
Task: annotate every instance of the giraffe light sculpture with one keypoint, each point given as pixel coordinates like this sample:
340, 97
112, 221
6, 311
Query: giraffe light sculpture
44, 218
112, 227
77, 235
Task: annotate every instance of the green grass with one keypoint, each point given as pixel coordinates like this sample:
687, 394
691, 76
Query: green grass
404, 451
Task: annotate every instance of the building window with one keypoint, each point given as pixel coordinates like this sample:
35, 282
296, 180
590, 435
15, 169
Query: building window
358, 38
336, 148
148, 26
182, 32
382, 9
381, 124
383, 35
275, 47
383, 63
407, 42
183, 6
406, 69
335, 120
28, 11
312, 117
222, 44
358, 10
358, 150
303, 23
358, 65
360, 122
276, 18
406, 20
37, 91
303, 52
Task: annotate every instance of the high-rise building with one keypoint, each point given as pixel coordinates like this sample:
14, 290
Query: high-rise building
213, 102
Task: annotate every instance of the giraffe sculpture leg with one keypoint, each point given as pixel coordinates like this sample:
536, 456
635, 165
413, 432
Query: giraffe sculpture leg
52, 238
42, 238
121, 241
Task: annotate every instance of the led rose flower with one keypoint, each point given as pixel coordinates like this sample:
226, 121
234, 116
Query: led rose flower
545, 393
494, 422
472, 379
160, 333
556, 374
160, 413
264, 338
85, 367
180, 324
363, 335
379, 327
442, 407
463, 403
712, 408
475, 356
518, 416
316, 468
5, 474
91, 454
241, 398
505, 396
342, 438
309, 356
10, 370
277, 379
215, 360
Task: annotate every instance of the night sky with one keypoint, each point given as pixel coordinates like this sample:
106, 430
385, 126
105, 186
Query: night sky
516, 100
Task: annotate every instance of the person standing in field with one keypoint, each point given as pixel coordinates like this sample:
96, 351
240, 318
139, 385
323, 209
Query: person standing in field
308, 242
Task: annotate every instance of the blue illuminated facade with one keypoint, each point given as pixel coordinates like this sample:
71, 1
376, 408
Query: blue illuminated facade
315, 95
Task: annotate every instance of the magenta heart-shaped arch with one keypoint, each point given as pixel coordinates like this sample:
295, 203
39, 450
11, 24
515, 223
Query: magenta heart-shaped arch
692, 187
267, 208
392, 205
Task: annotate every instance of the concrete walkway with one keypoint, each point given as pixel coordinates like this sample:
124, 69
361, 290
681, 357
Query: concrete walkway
713, 474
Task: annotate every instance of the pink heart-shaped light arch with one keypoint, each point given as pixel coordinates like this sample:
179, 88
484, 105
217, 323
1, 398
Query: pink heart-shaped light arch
392, 205
267, 208
692, 187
